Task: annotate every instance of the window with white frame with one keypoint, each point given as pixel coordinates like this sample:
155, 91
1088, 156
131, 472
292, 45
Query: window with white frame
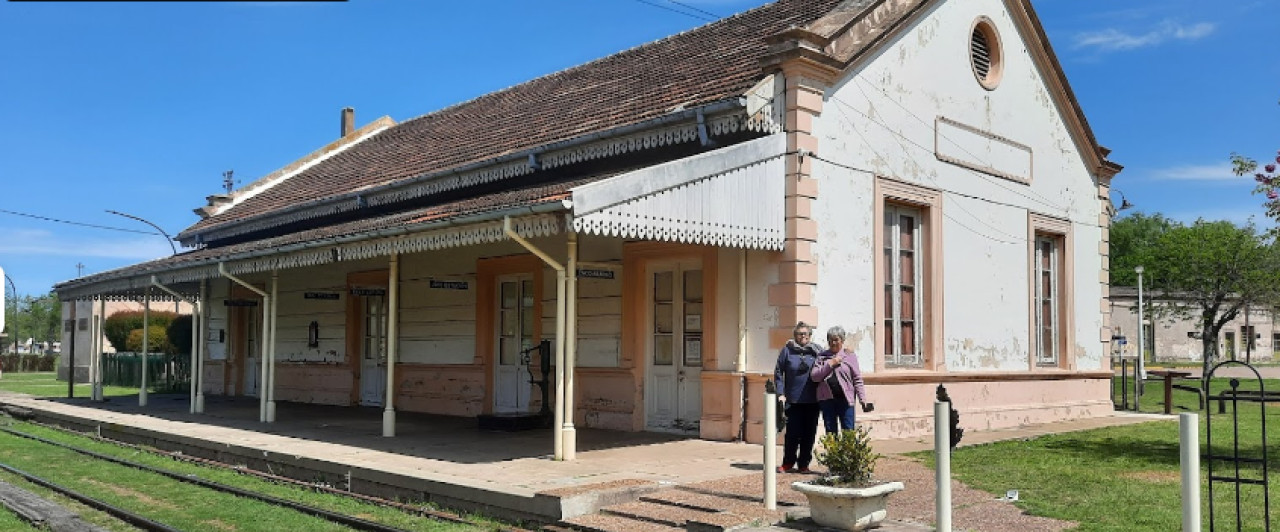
903, 264
1048, 258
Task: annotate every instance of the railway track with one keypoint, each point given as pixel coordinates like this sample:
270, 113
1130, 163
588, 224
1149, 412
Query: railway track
144, 523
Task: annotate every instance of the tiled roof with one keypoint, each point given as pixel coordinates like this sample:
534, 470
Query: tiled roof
711, 63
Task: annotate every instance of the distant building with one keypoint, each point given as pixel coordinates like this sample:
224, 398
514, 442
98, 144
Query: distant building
1177, 339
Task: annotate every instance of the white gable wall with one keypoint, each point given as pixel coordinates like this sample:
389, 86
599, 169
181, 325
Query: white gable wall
926, 70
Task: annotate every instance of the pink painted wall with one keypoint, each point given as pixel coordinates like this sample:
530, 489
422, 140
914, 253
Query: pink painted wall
453, 390
325, 384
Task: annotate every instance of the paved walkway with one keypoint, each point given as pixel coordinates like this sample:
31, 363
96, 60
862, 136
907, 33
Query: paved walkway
451, 451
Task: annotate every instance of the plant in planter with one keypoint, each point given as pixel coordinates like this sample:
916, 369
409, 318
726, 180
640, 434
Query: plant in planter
848, 498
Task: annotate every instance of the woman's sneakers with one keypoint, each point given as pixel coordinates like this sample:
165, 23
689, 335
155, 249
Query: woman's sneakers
786, 469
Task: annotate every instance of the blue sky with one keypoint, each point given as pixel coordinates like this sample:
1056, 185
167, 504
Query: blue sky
140, 107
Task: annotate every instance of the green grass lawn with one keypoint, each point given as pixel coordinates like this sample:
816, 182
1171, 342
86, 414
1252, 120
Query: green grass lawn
1126, 478
46, 384
183, 505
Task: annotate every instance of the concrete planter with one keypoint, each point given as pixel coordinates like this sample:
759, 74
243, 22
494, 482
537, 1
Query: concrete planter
848, 508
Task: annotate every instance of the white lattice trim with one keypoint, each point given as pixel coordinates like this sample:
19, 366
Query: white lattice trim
450, 237
730, 198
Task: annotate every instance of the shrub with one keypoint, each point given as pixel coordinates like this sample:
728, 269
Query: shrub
117, 327
157, 341
848, 456
179, 332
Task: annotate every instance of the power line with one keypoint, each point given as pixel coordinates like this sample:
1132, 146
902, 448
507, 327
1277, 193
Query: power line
694, 8
703, 18
82, 224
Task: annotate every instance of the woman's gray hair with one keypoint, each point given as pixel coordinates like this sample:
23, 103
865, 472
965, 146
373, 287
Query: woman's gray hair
802, 325
836, 332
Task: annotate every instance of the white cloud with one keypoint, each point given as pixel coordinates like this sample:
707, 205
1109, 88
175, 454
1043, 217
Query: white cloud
1198, 172
1112, 40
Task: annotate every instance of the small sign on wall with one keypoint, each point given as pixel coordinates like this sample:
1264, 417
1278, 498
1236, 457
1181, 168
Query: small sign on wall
320, 295
368, 291
449, 285
595, 274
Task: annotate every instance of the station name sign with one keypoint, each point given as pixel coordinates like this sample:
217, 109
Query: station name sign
595, 274
449, 285
320, 295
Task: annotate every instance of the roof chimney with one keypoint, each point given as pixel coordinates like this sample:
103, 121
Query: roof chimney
348, 121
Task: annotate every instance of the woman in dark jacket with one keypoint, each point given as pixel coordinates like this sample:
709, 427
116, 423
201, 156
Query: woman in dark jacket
839, 381
799, 394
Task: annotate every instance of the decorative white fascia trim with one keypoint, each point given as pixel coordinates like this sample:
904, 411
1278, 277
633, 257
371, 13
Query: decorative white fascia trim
717, 125
732, 197
449, 237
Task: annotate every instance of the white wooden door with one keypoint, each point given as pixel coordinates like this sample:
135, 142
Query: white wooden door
252, 349
514, 334
373, 349
673, 387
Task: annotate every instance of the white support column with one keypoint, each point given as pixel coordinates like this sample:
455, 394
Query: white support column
146, 334
266, 303
102, 346
770, 450
559, 413
558, 418
571, 348
942, 470
93, 346
269, 348
393, 341
1189, 436
195, 355
203, 346
740, 366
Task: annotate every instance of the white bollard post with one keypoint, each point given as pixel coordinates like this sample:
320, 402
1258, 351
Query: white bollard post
1189, 436
770, 451
942, 453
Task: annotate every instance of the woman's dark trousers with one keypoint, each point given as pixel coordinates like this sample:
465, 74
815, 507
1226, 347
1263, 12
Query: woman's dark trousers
802, 429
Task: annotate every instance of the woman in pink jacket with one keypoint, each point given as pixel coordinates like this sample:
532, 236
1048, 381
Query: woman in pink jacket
839, 381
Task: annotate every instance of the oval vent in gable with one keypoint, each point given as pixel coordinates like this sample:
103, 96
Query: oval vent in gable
985, 54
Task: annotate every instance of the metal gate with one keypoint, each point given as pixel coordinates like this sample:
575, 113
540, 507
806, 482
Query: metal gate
1231, 466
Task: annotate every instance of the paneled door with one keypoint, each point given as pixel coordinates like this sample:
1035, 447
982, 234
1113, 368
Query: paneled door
249, 346
514, 334
673, 387
373, 345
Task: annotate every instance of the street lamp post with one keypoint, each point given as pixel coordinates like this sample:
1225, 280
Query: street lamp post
167, 238
1142, 331
14, 289
157, 228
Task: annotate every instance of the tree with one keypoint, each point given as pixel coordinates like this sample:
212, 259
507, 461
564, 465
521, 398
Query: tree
118, 326
1268, 181
1212, 271
38, 318
1133, 241
179, 333
157, 340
